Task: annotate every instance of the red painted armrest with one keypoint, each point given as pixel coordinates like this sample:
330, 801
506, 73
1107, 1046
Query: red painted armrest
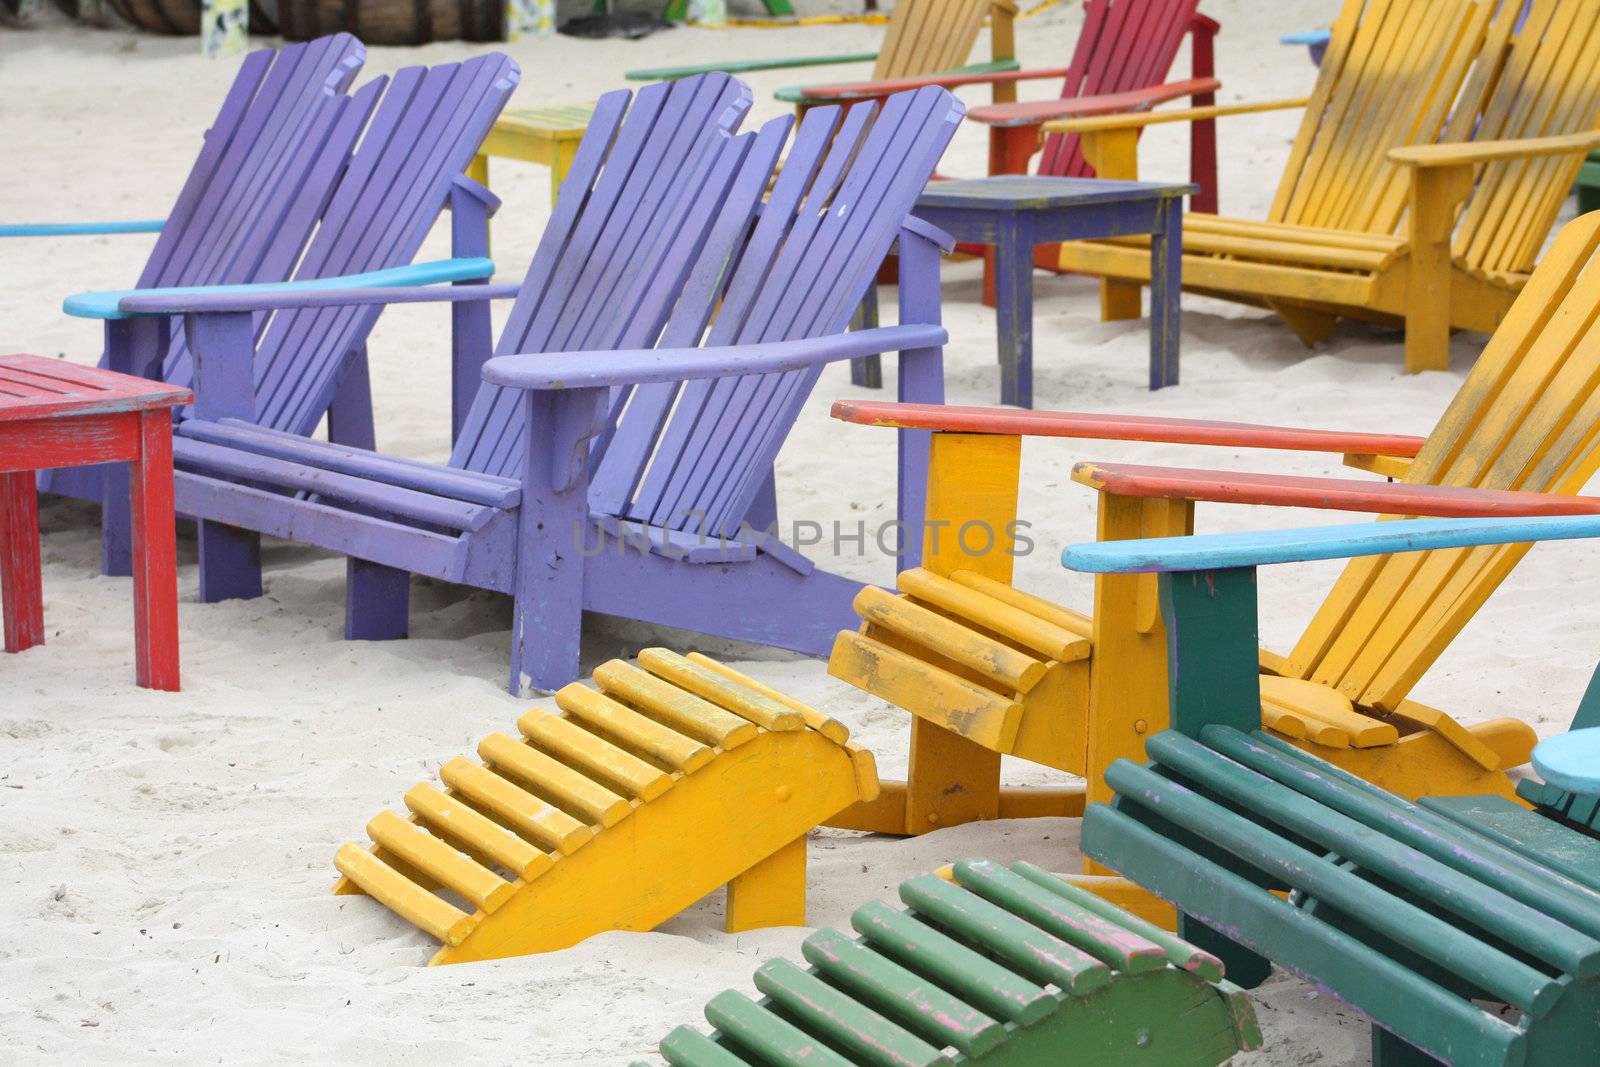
1020, 423
1331, 494
952, 80
1034, 112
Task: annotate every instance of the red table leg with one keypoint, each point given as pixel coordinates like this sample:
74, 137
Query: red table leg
155, 556
19, 561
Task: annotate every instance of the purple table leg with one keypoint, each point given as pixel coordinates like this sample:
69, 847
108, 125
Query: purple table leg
1014, 306
1166, 285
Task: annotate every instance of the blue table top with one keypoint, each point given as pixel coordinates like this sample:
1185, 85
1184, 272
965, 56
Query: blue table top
1028, 192
1570, 761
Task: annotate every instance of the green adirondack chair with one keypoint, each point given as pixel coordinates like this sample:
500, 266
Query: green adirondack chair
1004, 967
1423, 916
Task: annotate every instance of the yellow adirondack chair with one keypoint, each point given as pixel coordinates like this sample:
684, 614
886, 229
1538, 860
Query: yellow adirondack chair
1436, 149
987, 669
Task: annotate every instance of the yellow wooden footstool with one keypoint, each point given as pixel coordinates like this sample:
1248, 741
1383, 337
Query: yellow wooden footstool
547, 135
616, 811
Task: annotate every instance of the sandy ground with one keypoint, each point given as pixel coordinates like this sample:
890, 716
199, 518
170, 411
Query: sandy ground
165, 860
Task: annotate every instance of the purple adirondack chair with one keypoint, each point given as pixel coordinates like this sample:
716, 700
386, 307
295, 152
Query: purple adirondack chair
295, 191
639, 431
234, 219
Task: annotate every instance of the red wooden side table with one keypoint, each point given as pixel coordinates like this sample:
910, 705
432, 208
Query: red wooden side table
59, 414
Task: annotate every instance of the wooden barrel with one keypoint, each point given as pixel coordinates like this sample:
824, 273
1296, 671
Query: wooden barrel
394, 21
175, 16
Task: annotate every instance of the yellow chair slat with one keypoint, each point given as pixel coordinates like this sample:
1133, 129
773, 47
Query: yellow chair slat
739, 819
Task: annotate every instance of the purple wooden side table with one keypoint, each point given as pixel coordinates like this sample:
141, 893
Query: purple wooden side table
1015, 212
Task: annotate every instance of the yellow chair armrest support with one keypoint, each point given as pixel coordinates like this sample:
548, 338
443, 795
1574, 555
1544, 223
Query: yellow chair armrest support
1388, 466
1470, 152
1135, 120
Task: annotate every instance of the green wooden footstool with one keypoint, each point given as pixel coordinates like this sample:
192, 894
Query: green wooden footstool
1006, 967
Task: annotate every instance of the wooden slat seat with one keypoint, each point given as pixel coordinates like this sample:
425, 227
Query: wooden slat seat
1447, 131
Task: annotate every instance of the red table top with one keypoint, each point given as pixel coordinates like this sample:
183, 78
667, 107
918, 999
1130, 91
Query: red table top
32, 387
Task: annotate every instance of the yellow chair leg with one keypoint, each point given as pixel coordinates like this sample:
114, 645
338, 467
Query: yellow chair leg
1120, 300
1436, 193
566, 152
478, 171
772, 893
972, 486
1127, 896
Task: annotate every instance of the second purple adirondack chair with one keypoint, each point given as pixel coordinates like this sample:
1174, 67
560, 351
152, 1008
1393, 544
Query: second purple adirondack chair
661, 346
334, 190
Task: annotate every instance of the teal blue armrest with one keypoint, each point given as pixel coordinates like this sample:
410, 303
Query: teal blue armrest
103, 305
1210, 552
79, 229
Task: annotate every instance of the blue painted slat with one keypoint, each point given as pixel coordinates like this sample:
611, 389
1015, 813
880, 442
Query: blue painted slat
1219, 551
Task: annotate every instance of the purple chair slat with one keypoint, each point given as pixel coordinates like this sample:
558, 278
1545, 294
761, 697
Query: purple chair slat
248, 467
754, 413
334, 130
590, 325
676, 116
359, 462
435, 142
290, 81
629, 448
532, 320
821, 137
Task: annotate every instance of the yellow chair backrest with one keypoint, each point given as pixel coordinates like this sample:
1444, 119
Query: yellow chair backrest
1527, 417
1401, 72
929, 36
1391, 74
1545, 81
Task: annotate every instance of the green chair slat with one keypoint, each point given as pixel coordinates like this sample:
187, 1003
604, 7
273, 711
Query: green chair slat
987, 985
858, 1031
1078, 926
905, 996
1035, 953
754, 1027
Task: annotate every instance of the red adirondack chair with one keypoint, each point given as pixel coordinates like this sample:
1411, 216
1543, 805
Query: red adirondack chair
1121, 61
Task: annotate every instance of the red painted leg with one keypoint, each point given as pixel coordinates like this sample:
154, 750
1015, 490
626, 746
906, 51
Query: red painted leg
155, 557
19, 561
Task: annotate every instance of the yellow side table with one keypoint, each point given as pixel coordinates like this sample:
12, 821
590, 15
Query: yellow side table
547, 135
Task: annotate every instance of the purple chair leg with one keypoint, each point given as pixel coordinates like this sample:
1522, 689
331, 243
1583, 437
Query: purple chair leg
350, 414
921, 382
230, 563
547, 620
138, 347
377, 601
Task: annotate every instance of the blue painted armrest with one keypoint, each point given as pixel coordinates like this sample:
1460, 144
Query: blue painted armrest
1209, 552
1307, 37
108, 305
79, 229
213, 303
587, 370
1570, 761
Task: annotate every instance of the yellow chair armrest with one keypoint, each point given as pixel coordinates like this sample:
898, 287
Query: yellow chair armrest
1467, 152
1151, 118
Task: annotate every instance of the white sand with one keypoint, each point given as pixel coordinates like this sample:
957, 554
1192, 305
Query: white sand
166, 859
